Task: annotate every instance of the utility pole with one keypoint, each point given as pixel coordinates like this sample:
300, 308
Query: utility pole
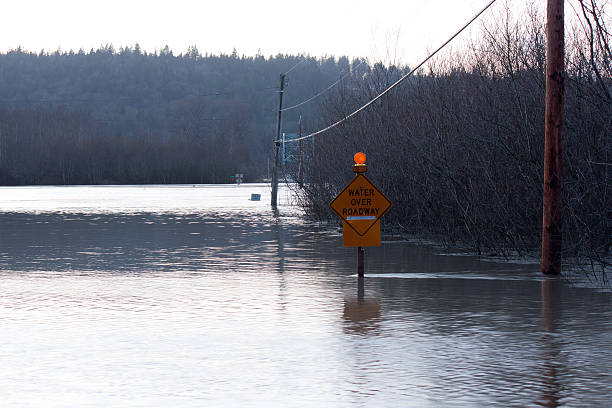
301, 153
277, 143
552, 214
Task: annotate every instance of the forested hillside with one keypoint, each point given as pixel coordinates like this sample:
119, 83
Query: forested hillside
127, 116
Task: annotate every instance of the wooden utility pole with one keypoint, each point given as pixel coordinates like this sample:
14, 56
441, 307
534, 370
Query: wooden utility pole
277, 143
552, 215
300, 178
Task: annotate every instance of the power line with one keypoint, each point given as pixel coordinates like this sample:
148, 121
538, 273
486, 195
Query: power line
383, 93
323, 91
295, 66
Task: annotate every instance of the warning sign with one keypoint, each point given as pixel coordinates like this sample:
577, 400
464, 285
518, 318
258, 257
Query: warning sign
351, 239
360, 204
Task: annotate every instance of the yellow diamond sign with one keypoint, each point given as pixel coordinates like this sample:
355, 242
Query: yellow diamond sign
360, 204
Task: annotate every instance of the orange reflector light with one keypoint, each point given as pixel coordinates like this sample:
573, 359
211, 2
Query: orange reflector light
359, 158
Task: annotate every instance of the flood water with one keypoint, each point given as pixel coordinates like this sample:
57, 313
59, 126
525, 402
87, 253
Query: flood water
193, 296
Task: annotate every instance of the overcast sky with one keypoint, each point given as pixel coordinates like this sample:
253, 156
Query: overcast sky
406, 28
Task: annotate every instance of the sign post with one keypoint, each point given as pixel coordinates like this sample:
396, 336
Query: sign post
360, 205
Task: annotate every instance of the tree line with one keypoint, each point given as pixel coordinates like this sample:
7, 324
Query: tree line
458, 147
111, 116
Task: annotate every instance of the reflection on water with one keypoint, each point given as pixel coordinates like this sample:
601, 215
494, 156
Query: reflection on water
550, 343
192, 296
361, 315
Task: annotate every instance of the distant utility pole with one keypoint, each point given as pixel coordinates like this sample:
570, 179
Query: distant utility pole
300, 152
552, 215
277, 143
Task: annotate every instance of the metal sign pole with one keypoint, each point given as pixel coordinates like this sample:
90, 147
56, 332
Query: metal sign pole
360, 261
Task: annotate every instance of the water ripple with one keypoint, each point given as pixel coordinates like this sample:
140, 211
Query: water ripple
126, 304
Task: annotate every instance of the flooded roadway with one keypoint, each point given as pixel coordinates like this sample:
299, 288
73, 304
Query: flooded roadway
196, 296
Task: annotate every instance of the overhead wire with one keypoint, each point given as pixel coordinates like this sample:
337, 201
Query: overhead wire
295, 66
297, 105
396, 83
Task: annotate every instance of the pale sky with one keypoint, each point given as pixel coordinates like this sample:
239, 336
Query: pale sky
408, 28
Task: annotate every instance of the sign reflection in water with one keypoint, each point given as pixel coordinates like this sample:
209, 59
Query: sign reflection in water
187, 296
361, 314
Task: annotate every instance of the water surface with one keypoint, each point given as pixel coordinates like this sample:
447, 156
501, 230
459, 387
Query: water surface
191, 296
